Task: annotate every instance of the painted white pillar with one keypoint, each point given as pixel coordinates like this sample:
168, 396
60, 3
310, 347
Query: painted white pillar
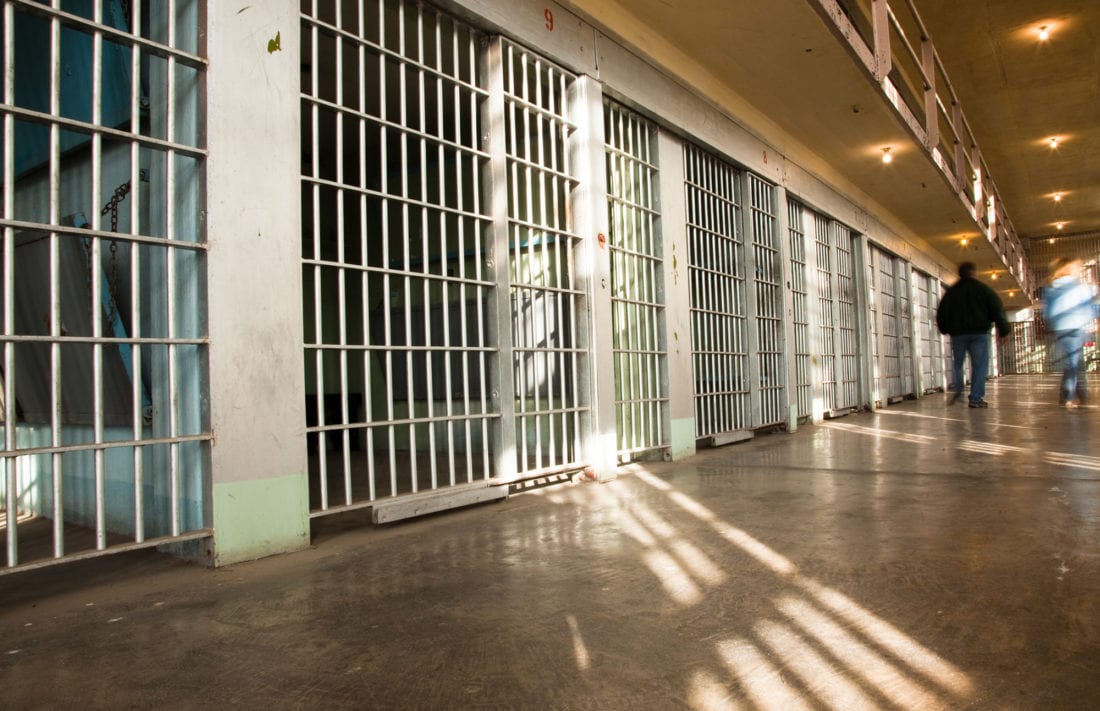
677, 284
260, 496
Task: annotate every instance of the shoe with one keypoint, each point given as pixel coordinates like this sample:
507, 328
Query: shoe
1071, 405
954, 397
979, 403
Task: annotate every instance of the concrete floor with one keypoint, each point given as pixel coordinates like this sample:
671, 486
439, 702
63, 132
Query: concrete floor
922, 557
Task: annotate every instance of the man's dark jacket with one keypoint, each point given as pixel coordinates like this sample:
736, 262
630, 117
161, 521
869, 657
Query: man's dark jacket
969, 306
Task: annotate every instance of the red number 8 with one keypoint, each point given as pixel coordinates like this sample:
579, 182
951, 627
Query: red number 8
549, 19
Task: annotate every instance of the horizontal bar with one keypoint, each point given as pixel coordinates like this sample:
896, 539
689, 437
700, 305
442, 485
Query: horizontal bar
373, 424
113, 33
557, 119
65, 230
631, 158
389, 271
93, 446
91, 128
107, 340
435, 500
352, 348
543, 169
197, 535
401, 59
355, 190
405, 131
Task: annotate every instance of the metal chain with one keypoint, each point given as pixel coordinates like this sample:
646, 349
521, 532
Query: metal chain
112, 275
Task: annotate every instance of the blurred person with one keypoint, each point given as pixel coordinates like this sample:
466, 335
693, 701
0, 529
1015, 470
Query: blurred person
1070, 310
967, 311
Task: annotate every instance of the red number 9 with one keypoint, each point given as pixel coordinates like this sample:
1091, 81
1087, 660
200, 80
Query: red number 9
549, 19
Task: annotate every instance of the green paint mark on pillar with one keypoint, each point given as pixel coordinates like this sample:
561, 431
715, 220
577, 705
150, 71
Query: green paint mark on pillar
275, 45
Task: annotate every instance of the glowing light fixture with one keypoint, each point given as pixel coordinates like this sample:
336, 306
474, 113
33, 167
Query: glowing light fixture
1011, 294
993, 277
1053, 141
1044, 33
1052, 240
962, 242
1058, 197
887, 157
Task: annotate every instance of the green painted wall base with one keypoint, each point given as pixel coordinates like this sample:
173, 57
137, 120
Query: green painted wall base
253, 519
683, 438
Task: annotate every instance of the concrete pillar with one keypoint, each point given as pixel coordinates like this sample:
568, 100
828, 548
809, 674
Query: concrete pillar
260, 501
677, 284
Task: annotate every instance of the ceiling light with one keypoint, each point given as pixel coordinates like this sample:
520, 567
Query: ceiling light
1011, 294
1060, 225
886, 156
1052, 240
993, 277
1053, 141
962, 241
1058, 197
1044, 33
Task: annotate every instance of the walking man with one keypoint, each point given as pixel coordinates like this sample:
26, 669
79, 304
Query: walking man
967, 311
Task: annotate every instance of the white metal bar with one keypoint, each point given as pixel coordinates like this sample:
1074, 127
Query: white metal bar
57, 488
136, 311
10, 471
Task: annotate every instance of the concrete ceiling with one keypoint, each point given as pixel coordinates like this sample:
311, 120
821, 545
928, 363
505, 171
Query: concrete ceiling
1018, 91
787, 63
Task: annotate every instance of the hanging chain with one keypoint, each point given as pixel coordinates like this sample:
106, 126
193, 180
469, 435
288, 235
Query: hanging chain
112, 274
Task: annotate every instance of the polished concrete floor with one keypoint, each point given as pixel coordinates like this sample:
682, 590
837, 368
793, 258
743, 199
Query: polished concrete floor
926, 556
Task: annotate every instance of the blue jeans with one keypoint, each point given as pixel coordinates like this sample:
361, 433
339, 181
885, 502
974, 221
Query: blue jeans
1070, 346
977, 345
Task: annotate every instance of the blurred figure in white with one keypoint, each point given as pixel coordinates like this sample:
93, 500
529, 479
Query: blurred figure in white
1070, 311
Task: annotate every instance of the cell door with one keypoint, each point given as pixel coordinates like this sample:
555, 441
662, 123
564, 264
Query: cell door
927, 331
542, 245
796, 219
720, 353
395, 259
846, 320
637, 291
890, 329
827, 337
771, 368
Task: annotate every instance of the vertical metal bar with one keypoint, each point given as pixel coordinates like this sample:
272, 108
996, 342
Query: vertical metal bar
426, 251
58, 512
172, 286
136, 198
318, 274
341, 270
10, 479
410, 408
387, 263
446, 270
97, 292
368, 387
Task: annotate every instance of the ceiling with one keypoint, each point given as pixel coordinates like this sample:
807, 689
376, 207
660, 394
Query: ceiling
812, 99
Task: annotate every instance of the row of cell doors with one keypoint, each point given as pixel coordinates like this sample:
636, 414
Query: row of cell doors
452, 287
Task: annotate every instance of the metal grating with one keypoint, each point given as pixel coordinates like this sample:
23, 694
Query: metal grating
543, 248
886, 265
768, 293
715, 261
847, 323
931, 355
801, 305
639, 343
394, 256
106, 434
905, 327
828, 339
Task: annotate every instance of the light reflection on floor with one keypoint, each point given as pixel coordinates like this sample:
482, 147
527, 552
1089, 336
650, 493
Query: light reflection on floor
820, 648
